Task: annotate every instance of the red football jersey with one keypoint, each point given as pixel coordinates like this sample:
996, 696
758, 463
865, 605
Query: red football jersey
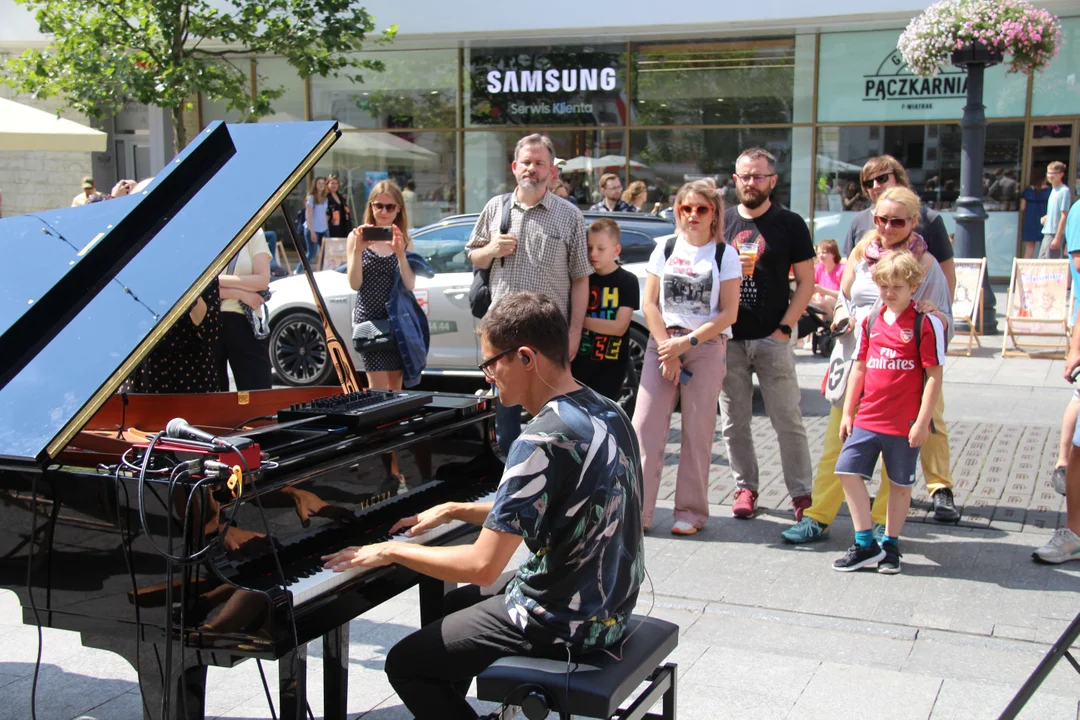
893, 390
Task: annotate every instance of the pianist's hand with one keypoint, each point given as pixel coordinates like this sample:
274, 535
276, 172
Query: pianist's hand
421, 523
370, 556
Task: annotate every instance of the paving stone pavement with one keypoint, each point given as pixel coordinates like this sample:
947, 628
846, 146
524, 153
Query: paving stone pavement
767, 630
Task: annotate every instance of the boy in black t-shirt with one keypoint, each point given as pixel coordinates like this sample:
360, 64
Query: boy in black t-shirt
604, 354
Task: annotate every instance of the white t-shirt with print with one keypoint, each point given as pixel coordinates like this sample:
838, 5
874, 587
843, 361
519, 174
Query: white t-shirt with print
690, 282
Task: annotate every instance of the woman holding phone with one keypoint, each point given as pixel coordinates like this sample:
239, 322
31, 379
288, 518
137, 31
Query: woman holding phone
691, 300
373, 267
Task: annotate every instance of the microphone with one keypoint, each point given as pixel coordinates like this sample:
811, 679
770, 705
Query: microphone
180, 429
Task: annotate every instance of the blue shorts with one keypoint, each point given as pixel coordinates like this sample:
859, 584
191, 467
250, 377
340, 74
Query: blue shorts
862, 448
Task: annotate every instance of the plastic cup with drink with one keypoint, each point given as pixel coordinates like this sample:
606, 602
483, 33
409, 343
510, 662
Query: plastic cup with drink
748, 254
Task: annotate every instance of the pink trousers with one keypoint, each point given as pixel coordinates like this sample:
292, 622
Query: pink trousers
652, 420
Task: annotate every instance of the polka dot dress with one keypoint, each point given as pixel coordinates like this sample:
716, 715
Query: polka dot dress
371, 299
183, 361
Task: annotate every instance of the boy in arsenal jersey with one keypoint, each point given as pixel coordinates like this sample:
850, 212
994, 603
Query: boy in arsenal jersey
892, 390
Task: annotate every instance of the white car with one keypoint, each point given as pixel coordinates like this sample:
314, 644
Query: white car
298, 347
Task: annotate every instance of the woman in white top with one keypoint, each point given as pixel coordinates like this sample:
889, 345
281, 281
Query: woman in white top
691, 300
241, 284
315, 220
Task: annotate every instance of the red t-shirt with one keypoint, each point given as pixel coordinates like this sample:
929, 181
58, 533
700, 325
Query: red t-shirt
892, 393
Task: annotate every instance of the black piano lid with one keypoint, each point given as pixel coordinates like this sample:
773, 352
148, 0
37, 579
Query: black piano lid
118, 321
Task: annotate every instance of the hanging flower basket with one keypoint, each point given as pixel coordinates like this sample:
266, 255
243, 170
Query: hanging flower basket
962, 32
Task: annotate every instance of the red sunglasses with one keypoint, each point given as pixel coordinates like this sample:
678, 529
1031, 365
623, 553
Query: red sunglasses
699, 210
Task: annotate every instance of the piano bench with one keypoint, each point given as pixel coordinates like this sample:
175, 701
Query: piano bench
598, 683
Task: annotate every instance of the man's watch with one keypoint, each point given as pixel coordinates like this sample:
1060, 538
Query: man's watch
693, 340
786, 329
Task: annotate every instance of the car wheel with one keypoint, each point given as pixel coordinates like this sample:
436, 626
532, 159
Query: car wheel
639, 339
298, 350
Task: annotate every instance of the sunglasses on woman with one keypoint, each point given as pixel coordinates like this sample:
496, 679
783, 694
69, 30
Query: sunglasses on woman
877, 180
699, 210
893, 222
384, 207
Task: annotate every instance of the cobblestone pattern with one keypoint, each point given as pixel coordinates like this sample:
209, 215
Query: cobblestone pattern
1001, 474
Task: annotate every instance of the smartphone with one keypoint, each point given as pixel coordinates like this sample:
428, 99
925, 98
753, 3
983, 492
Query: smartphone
684, 376
377, 234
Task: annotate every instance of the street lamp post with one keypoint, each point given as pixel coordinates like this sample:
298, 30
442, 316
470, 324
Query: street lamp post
971, 216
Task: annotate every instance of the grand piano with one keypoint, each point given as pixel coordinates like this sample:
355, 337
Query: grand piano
178, 554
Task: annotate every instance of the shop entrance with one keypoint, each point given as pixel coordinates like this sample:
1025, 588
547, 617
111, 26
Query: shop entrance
1053, 141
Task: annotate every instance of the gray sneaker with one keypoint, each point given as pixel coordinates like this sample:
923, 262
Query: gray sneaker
1064, 545
1058, 480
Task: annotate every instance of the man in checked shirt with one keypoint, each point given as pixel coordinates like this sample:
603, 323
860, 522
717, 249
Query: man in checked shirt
544, 251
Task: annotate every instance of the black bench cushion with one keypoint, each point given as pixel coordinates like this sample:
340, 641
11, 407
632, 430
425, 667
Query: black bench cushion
599, 684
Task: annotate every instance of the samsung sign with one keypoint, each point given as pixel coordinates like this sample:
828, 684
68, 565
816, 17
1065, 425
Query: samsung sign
551, 80
563, 86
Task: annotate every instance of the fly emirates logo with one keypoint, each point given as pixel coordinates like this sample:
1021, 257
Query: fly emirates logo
889, 360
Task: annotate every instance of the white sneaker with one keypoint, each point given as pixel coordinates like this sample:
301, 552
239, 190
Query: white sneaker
1063, 546
683, 528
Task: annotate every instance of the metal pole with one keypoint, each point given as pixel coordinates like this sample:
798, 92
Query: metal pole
1057, 651
970, 213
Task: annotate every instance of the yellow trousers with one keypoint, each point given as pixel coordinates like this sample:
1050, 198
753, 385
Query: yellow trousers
828, 493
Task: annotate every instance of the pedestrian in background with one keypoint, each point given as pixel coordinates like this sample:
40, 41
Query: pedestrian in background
88, 195
611, 189
1057, 208
544, 251
691, 300
315, 225
339, 216
1033, 207
771, 240
244, 345
603, 359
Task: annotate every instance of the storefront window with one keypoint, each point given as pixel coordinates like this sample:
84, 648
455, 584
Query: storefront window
862, 77
1056, 90
931, 156
565, 85
722, 83
273, 73
665, 159
416, 89
588, 154
422, 164
211, 110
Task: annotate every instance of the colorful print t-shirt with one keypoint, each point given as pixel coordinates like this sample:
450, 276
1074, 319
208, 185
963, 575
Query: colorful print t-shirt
572, 489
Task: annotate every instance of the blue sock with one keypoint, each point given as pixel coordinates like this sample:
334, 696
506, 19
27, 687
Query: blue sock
886, 540
864, 538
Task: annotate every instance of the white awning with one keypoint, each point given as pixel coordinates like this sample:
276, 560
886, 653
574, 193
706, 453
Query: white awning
25, 128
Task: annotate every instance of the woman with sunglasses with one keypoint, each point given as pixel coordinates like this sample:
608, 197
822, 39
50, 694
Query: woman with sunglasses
896, 216
374, 268
691, 300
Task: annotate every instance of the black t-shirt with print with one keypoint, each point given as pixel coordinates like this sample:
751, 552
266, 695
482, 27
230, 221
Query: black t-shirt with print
338, 216
601, 359
782, 239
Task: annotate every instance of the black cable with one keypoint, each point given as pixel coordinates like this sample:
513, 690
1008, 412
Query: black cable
30, 592
251, 420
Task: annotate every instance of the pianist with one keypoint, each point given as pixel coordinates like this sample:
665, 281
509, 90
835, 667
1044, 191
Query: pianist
571, 491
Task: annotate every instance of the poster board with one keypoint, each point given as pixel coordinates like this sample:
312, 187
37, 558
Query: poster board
968, 298
332, 254
1037, 308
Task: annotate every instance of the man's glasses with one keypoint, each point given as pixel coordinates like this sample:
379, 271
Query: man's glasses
384, 207
756, 179
488, 366
894, 222
699, 210
876, 180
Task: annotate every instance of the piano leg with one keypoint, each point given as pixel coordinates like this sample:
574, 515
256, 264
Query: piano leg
432, 595
336, 673
292, 684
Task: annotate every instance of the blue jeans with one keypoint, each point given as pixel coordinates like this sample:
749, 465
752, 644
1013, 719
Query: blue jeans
507, 426
312, 249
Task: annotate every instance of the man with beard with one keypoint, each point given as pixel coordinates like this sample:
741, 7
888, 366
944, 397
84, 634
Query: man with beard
544, 251
762, 335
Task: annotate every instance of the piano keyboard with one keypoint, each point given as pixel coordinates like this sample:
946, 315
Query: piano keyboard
318, 582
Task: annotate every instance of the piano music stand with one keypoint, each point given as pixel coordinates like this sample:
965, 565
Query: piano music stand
1058, 650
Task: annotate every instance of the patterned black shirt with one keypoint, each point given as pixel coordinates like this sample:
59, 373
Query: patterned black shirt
572, 489
620, 206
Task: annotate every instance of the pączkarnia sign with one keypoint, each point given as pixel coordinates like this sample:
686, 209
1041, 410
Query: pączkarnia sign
894, 82
546, 85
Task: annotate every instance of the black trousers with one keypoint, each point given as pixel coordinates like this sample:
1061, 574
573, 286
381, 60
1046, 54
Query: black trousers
431, 670
248, 357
